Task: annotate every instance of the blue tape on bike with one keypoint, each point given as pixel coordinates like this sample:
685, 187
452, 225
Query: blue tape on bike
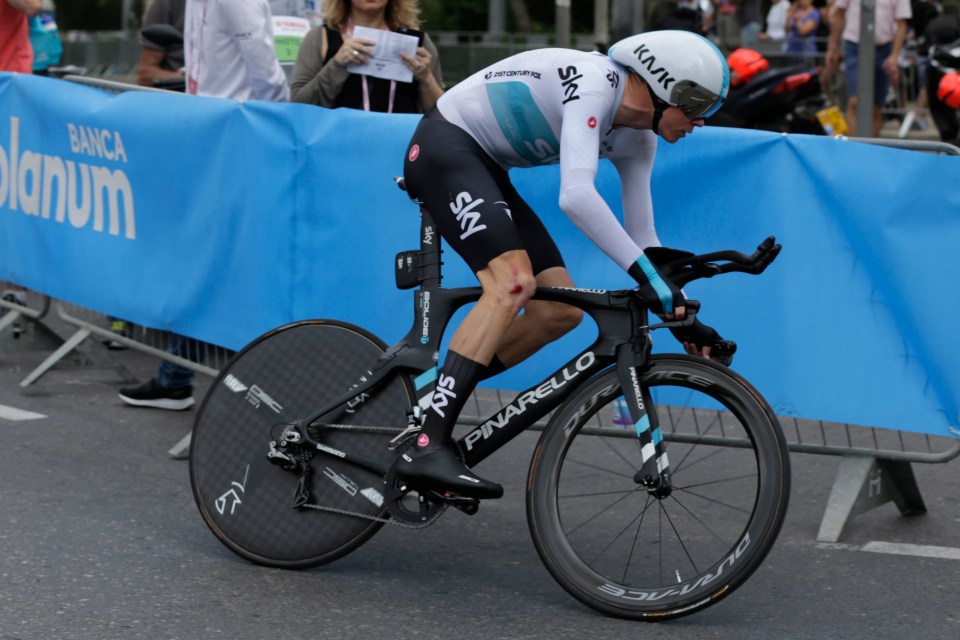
425, 378
643, 424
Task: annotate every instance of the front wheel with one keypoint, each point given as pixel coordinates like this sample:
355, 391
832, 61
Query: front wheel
252, 505
621, 549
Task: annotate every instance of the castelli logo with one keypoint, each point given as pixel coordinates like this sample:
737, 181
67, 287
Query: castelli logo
592, 122
423, 440
414, 152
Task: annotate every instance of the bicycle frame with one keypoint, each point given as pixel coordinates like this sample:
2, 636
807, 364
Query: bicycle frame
623, 339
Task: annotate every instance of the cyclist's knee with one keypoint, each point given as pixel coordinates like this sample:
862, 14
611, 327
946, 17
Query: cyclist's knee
509, 280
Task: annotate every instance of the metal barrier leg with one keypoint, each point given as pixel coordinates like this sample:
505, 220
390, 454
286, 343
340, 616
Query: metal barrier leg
102, 358
864, 483
181, 450
34, 335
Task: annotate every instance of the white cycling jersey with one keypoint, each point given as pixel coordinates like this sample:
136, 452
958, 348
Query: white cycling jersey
557, 105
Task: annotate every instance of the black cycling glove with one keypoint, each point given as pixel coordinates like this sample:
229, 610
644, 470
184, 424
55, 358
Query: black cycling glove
661, 295
704, 335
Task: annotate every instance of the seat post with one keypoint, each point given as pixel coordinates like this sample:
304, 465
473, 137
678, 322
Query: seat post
429, 260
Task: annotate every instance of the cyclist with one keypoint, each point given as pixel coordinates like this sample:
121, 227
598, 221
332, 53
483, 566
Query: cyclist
536, 108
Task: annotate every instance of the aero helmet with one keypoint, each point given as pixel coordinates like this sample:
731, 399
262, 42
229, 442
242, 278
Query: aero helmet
949, 90
681, 68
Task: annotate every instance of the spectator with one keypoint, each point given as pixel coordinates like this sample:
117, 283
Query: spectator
776, 22
16, 55
890, 31
158, 62
923, 12
229, 53
320, 75
728, 25
803, 21
15, 51
682, 15
45, 40
749, 16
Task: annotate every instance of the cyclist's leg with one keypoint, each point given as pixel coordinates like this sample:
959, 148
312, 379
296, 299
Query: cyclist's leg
462, 187
542, 322
507, 283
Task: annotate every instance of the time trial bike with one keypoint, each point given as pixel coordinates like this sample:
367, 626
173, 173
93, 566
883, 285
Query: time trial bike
293, 450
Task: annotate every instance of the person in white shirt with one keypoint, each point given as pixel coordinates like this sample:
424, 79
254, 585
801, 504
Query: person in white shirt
776, 21
230, 51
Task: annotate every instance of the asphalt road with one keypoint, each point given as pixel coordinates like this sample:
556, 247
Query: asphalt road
100, 539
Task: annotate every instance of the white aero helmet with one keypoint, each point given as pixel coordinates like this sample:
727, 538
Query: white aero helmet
681, 68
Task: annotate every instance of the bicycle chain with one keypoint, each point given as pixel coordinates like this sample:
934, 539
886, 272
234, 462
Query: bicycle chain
364, 516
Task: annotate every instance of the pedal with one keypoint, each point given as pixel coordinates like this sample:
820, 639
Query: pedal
469, 506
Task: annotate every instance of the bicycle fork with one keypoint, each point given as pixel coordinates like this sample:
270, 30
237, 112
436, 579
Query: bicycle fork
654, 474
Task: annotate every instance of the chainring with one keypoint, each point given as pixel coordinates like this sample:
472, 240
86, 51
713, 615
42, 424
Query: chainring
407, 505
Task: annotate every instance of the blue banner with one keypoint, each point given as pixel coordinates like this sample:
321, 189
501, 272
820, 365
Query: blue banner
221, 220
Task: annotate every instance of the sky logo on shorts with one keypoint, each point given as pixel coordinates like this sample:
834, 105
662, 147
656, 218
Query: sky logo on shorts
464, 207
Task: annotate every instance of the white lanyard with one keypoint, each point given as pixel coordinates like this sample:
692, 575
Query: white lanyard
363, 79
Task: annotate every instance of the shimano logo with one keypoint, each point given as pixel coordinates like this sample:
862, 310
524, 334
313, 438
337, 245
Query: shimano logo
464, 207
569, 76
443, 394
231, 382
649, 60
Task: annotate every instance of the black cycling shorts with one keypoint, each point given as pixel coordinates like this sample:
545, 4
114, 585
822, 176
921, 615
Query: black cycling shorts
476, 209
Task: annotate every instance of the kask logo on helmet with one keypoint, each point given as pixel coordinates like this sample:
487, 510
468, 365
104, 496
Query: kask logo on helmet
660, 73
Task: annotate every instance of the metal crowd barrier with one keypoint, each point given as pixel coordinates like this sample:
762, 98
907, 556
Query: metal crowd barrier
875, 465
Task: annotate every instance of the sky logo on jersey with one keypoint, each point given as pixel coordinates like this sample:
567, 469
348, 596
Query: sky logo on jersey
522, 123
569, 76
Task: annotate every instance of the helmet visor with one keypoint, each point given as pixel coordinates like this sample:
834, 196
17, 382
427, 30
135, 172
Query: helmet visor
694, 100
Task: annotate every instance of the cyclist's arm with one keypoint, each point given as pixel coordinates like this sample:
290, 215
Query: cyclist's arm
633, 156
248, 24
579, 198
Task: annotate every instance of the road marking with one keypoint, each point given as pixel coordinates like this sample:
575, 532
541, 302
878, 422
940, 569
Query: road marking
922, 550
16, 415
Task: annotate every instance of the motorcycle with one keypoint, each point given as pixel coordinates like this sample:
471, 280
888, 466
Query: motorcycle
165, 36
786, 100
944, 62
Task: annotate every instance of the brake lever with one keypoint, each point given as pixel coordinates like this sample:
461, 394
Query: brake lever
692, 307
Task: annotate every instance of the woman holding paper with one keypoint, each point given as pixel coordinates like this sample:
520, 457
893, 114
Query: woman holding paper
368, 55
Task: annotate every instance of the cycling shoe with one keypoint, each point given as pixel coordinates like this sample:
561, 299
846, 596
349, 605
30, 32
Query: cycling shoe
441, 470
